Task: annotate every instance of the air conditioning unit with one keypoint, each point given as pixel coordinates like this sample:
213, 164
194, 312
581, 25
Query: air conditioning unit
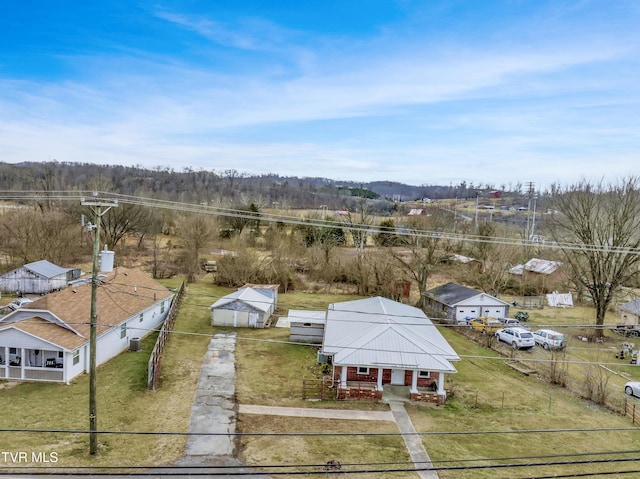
323, 358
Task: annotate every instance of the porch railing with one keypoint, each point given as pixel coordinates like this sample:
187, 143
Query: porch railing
32, 373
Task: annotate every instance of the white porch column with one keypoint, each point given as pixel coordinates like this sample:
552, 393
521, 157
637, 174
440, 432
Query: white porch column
441, 391
379, 385
22, 361
414, 381
5, 361
343, 377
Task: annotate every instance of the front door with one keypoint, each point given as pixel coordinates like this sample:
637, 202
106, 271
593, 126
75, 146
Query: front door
397, 377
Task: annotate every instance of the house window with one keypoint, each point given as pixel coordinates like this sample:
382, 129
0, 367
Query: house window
76, 357
123, 330
60, 354
13, 351
362, 370
141, 316
424, 374
162, 307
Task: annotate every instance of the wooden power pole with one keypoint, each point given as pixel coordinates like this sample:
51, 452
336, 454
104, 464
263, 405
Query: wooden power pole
99, 208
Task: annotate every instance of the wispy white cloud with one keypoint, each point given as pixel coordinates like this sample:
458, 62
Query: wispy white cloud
458, 104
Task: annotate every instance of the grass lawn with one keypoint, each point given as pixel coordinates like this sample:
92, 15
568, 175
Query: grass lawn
124, 402
370, 451
490, 396
486, 395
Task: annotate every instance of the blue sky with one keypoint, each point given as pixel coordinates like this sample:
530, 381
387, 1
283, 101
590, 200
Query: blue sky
420, 92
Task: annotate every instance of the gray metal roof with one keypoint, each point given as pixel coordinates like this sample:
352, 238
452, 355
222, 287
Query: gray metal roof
245, 295
46, 269
379, 332
632, 307
307, 316
451, 293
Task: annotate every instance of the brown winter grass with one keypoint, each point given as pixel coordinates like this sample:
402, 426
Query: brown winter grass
352, 452
490, 396
124, 402
486, 395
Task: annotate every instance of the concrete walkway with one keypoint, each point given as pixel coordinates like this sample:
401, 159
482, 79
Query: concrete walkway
214, 407
412, 440
214, 412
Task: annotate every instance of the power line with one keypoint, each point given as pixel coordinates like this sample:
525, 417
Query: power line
295, 220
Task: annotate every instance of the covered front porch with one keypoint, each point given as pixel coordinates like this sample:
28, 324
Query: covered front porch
31, 364
358, 382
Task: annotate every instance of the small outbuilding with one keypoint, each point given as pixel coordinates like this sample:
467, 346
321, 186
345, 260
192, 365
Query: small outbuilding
40, 277
306, 326
630, 313
245, 308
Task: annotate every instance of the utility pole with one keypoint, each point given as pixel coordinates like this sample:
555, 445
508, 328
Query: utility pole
530, 193
96, 206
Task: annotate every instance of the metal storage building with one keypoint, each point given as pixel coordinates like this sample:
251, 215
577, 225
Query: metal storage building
40, 277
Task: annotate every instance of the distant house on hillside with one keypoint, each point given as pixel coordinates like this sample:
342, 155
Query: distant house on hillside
540, 275
417, 212
248, 307
48, 339
40, 277
456, 303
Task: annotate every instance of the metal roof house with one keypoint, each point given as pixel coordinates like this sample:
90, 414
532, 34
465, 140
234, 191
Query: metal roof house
630, 313
455, 302
40, 277
540, 275
536, 265
247, 308
48, 340
376, 342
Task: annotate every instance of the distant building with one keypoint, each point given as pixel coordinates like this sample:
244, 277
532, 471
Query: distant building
540, 275
456, 303
40, 277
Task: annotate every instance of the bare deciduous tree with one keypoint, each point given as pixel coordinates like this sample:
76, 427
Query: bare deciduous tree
194, 232
603, 221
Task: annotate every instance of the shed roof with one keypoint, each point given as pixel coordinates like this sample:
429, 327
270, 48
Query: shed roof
306, 316
248, 296
45, 268
541, 266
632, 307
379, 332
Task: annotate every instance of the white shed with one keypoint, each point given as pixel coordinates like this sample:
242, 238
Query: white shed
306, 326
246, 308
40, 277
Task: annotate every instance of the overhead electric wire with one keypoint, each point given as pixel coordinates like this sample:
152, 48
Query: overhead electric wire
295, 220
325, 434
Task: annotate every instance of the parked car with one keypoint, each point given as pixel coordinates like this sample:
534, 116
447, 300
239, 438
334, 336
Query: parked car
518, 338
632, 388
510, 323
19, 303
486, 325
549, 339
